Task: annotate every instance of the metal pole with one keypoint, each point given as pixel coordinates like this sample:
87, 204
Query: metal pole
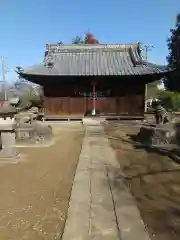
145, 105
4, 77
146, 52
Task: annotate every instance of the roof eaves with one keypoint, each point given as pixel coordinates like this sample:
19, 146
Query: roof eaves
161, 68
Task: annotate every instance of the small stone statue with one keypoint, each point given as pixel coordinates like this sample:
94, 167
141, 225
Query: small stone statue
161, 115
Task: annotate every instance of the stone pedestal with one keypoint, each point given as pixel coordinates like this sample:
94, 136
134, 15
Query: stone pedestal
33, 133
159, 134
7, 136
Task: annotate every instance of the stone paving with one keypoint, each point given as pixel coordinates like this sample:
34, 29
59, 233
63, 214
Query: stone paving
101, 207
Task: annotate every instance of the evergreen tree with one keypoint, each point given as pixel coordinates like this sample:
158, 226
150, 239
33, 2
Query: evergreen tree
77, 40
173, 82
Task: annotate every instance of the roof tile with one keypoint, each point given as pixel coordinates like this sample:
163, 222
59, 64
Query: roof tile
94, 60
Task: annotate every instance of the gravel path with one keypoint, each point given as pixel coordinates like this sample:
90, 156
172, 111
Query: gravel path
35, 193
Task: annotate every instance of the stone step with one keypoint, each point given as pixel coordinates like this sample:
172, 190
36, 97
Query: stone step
93, 121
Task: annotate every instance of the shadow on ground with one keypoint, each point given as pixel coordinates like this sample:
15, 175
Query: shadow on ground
153, 179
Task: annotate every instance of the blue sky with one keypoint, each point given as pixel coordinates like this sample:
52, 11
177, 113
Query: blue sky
26, 26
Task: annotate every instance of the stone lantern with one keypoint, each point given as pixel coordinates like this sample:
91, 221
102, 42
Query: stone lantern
7, 132
7, 112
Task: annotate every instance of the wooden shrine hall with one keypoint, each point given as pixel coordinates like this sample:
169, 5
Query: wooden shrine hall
108, 79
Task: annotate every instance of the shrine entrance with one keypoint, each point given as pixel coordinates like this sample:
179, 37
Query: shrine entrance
99, 101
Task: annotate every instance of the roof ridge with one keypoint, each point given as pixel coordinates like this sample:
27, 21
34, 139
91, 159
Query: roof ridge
60, 47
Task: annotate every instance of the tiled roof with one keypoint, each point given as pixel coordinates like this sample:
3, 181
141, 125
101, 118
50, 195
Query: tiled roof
93, 60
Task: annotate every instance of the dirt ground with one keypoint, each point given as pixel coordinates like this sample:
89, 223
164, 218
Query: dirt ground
34, 193
154, 180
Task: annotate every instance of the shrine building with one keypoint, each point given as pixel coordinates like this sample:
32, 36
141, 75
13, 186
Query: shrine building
107, 78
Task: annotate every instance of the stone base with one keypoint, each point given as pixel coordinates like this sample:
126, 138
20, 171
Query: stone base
9, 154
159, 134
34, 133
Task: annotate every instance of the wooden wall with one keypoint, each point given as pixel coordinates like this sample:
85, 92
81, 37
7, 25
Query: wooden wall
69, 106
122, 98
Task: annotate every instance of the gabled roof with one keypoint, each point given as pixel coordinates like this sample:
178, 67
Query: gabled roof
93, 60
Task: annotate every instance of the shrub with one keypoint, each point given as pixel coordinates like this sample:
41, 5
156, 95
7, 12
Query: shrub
170, 100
